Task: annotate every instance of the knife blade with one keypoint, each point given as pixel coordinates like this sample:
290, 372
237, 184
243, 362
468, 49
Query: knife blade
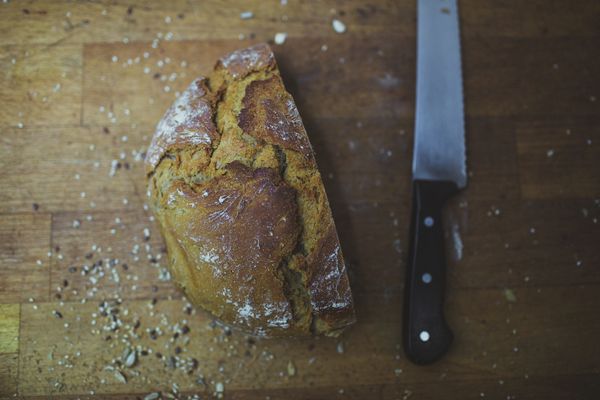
439, 172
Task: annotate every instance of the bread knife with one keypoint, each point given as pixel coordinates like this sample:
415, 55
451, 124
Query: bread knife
439, 172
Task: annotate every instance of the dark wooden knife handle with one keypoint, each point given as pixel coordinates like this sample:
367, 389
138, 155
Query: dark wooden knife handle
427, 336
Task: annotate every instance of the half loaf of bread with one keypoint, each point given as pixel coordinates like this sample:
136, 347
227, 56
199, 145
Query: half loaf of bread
234, 184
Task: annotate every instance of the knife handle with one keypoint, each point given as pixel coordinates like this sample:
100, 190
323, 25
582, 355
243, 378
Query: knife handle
427, 336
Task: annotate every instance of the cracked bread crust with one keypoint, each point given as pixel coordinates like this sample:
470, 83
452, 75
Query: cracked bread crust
234, 185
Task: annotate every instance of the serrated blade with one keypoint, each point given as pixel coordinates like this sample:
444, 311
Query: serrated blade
439, 149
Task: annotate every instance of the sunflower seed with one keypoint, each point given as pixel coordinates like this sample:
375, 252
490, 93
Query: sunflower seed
120, 377
131, 359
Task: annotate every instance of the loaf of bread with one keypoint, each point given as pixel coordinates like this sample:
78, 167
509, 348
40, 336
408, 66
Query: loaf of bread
234, 184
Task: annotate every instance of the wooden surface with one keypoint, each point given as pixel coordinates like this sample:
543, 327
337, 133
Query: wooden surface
524, 280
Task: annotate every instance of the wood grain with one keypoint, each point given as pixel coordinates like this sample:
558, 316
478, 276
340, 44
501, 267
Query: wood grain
8, 373
559, 158
46, 78
69, 169
9, 328
83, 85
473, 315
24, 247
49, 22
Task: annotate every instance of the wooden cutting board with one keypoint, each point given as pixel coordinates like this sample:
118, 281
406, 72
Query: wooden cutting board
82, 85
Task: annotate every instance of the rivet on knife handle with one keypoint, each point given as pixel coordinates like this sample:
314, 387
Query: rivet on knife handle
426, 334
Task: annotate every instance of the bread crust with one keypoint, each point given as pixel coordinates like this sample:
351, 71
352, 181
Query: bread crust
234, 185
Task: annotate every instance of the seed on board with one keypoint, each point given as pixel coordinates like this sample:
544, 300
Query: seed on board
152, 396
510, 295
280, 37
291, 368
338, 26
131, 359
120, 377
171, 362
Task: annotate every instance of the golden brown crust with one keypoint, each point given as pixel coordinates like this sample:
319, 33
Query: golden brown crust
270, 114
242, 62
241, 204
237, 227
